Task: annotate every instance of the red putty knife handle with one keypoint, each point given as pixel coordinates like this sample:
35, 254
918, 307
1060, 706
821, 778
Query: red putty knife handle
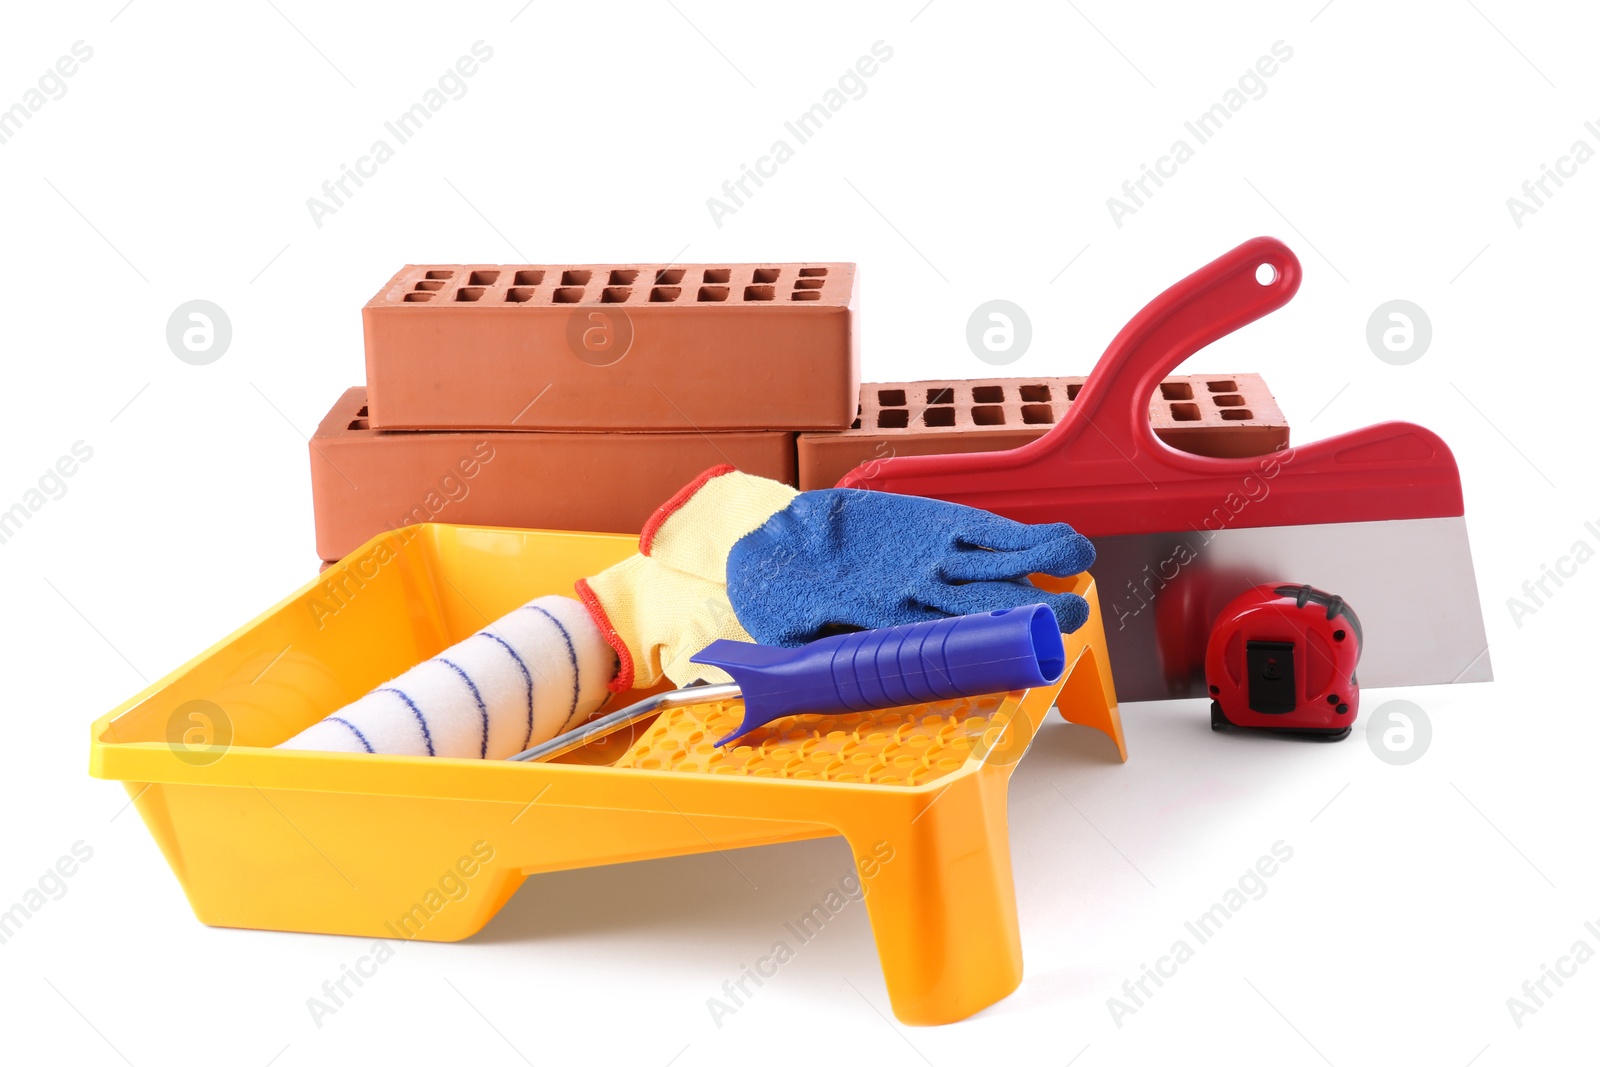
1103, 469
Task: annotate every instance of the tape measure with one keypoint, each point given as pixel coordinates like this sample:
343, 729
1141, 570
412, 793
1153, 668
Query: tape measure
1283, 658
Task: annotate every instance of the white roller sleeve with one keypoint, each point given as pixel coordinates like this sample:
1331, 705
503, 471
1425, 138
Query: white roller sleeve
521, 680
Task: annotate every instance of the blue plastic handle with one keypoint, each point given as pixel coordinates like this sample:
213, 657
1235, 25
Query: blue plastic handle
963, 656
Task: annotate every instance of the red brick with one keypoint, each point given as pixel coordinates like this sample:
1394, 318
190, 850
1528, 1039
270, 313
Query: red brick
365, 481
1223, 415
709, 347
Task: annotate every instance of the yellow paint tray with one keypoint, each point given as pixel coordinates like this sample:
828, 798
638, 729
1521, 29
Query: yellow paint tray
411, 847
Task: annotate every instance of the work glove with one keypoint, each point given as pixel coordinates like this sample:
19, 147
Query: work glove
658, 608
745, 558
856, 559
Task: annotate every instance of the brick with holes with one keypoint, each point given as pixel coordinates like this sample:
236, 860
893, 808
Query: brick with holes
1224, 415
681, 347
366, 481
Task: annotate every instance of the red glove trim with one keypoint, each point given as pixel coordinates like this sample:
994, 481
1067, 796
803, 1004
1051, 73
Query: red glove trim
624, 679
678, 500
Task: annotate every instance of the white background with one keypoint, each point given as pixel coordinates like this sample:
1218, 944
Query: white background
977, 165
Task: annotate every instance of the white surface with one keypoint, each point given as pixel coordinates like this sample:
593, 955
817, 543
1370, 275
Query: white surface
1419, 898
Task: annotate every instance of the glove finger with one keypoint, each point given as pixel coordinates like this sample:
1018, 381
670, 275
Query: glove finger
805, 620
985, 529
875, 616
1054, 549
1071, 611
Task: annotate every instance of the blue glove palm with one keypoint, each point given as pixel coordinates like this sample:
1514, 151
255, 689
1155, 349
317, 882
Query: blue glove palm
859, 559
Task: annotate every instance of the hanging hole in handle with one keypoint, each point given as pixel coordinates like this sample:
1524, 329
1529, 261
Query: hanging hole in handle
1266, 274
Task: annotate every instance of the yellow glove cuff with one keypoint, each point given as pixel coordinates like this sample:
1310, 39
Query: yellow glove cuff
655, 618
695, 530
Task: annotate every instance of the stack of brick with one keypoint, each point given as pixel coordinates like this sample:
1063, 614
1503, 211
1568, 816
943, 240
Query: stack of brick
580, 398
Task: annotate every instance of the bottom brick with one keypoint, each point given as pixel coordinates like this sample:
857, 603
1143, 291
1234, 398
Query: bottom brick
365, 481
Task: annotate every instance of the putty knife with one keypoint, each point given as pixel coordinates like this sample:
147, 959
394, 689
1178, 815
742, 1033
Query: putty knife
1376, 513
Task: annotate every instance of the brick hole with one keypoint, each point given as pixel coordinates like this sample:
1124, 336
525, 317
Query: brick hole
1177, 391
894, 419
429, 286
765, 275
665, 294
567, 296
1237, 414
623, 277
520, 294
362, 413
528, 277
440, 275
671, 276
988, 394
942, 395
857, 424
359, 424
760, 292
892, 398
939, 417
813, 272
616, 295
1038, 414
989, 416
1073, 389
720, 275
575, 277
712, 293
808, 283
472, 292
418, 298
1034, 394
1228, 400
1223, 387
1186, 412
805, 294
483, 277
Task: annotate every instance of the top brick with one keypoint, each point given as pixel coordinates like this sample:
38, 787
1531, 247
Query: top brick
632, 346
